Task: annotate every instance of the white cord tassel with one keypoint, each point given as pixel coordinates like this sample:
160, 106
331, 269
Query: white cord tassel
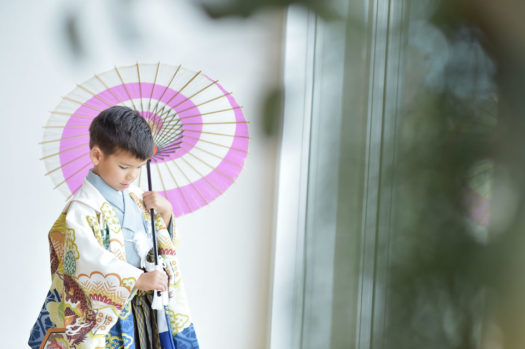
143, 244
158, 301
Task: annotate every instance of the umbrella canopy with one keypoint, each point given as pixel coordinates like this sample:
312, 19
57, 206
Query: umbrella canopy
199, 130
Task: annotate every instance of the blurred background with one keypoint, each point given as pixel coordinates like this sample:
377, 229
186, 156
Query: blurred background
382, 202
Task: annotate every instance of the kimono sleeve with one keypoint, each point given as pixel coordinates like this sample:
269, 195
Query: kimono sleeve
97, 283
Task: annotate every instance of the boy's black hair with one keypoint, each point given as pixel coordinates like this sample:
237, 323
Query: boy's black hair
121, 128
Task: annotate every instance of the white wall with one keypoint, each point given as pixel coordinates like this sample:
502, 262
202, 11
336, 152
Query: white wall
225, 248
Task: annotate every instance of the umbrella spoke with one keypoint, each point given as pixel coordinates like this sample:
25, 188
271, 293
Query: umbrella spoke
67, 163
154, 85
183, 87
158, 126
179, 188
62, 139
217, 144
162, 180
166, 135
216, 134
210, 166
175, 113
71, 115
125, 87
196, 93
74, 192
201, 175
74, 174
82, 104
94, 95
64, 151
212, 154
110, 90
140, 90
209, 113
140, 178
175, 95
217, 123
189, 181
205, 102
154, 111
66, 126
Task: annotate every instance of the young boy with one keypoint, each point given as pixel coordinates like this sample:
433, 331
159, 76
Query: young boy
100, 296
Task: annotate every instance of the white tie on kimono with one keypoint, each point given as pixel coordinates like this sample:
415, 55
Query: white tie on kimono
159, 301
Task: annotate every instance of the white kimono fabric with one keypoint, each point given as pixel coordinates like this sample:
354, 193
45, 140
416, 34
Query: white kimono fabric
92, 284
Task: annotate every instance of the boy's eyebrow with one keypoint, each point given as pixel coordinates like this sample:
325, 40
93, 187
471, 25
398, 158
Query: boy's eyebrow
130, 165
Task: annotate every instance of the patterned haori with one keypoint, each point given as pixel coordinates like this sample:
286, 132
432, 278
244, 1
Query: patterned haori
89, 304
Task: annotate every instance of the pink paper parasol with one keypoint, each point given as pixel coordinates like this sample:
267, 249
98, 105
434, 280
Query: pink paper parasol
198, 127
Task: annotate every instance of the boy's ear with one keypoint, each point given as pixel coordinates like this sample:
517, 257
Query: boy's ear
96, 155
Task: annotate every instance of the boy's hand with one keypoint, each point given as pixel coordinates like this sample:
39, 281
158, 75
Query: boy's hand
159, 203
153, 280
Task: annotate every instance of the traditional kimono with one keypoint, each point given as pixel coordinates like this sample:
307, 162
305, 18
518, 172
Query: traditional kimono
93, 284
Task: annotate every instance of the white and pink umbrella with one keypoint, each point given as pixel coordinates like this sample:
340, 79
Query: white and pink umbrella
198, 127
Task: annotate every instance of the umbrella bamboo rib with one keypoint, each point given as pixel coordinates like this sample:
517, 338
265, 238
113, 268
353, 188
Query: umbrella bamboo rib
160, 112
82, 104
154, 111
183, 87
71, 115
64, 151
94, 95
209, 113
62, 139
196, 93
177, 93
201, 175
79, 126
125, 87
140, 89
167, 132
178, 187
212, 154
205, 102
74, 174
67, 163
73, 192
217, 144
109, 89
175, 113
162, 181
217, 123
189, 181
210, 166
217, 134
154, 85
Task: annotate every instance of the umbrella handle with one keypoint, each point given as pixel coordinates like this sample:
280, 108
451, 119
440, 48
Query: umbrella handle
153, 232
152, 213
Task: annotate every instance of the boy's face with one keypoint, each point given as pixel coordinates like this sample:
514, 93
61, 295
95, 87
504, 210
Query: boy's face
118, 170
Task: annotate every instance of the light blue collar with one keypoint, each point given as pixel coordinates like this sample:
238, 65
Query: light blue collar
113, 196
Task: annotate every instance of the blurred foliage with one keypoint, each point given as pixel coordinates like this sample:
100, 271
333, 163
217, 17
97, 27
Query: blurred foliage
72, 35
243, 8
272, 111
455, 284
